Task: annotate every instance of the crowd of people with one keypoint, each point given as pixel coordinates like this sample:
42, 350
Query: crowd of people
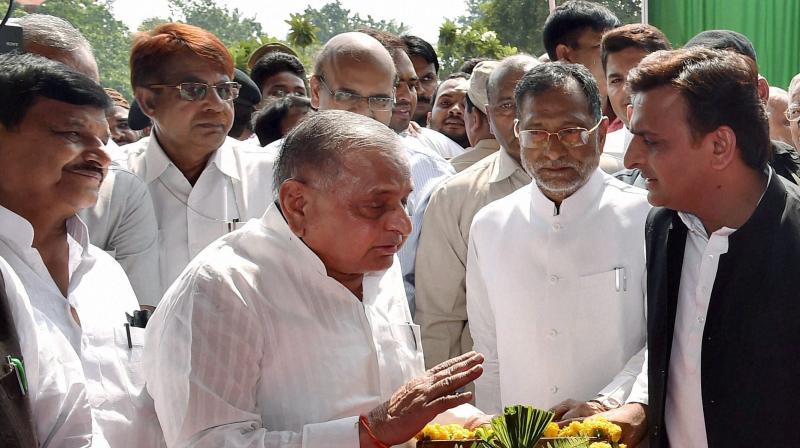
337, 255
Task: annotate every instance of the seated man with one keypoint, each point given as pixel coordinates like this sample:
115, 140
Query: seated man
285, 332
53, 130
202, 183
559, 264
722, 248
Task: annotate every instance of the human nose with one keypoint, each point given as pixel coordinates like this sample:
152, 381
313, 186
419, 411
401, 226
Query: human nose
554, 149
634, 153
400, 222
212, 100
97, 153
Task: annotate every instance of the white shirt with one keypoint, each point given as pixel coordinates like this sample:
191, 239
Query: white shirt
123, 224
86, 384
235, 186
617, 143
556, 299
256, 346
439, 143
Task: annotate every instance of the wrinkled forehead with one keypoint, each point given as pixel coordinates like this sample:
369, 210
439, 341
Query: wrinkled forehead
454, 87
365, 74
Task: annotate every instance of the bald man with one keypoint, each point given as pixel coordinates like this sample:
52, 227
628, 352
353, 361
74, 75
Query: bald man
793, 111
777, 104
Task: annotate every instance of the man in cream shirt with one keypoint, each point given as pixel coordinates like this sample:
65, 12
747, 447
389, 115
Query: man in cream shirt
324, 353
202, 183
442, 254
87, 387
555, 270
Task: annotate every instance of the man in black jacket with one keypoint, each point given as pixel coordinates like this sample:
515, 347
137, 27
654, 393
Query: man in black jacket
722, 250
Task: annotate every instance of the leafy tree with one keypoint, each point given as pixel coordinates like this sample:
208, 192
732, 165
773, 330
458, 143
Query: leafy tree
302, 32
241, 51
152, 22
520, 22
459, 43
109, 37
230, 25
333, 19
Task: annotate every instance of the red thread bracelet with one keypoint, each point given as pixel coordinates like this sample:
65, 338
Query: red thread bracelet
362, 420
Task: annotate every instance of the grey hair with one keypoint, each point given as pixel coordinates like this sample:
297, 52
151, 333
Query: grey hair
52, 32
314, 150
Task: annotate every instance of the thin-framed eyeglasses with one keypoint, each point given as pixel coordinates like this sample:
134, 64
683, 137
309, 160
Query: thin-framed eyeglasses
196, 91
793, 114
540, 139
376, 103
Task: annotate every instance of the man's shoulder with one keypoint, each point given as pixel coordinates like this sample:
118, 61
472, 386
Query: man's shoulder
500, 211
473, 178
624, 194
250, 153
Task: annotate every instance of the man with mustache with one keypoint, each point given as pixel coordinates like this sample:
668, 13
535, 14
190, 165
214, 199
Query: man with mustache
203, 184
426, 64
447, 115
294, 331
569, 282
442, 256
85, 381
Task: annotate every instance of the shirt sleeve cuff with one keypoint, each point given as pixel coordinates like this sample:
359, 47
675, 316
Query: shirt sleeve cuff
342, 433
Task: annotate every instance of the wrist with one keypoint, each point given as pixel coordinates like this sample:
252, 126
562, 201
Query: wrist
366, 437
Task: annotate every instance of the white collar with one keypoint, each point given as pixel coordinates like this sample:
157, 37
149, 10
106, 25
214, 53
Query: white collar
574, 206
157, 161
18, 231
504, 167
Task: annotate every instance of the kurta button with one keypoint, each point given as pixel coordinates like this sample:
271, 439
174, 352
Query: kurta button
553, 279
554, 389
557, 227
553, 333
701, 319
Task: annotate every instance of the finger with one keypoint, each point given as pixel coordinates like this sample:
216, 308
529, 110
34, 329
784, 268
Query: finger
559, 409
463, 366
576, 412
454, 361
448, 385
446, 402
566, 422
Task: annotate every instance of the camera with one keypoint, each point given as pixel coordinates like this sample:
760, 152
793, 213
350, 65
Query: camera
10, 38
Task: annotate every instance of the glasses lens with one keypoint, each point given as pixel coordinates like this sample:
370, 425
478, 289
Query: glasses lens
192, 91
533, 139
793, 114
227, 91
573, 136
346, 98
380, 103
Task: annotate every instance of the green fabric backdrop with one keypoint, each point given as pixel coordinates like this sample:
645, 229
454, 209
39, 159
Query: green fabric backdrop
772, 25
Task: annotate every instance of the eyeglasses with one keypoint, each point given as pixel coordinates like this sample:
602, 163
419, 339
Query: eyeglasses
539, 139
376, 103
793, 113
196, 91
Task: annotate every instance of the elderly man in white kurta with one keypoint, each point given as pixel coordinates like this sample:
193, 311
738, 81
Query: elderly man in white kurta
294, 331
555, 270
87, 387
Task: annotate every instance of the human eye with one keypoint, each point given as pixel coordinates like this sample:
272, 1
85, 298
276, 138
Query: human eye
346, 97
193, 90
372, 210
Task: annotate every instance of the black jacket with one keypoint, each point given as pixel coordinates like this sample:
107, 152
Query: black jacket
750, 362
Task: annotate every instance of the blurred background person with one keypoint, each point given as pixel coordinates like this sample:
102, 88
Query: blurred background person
280, 116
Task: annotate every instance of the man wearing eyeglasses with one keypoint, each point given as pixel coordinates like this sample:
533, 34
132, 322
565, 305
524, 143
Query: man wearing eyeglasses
793, 111
555, 270
203, 183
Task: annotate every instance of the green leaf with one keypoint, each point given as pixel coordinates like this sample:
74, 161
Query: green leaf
572, 442
520, 426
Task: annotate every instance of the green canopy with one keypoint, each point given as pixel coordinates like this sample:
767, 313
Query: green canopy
772, 25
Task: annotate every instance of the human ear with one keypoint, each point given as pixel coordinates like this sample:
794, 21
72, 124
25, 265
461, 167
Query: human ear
563, 53
723, 147
602, 131
294, 201
147, 100
314, 87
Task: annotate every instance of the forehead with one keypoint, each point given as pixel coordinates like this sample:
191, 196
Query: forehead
566, 102
365, 76
421, 65
283, 78
376, 170
46, 112
453, 87
186, 66
650, 108
621, 62
405, 70
118, 113
503, 82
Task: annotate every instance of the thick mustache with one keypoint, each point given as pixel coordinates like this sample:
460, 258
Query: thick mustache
88, 167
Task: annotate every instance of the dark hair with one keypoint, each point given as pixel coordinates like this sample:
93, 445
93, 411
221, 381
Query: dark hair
26, 77
391, 42
545, 77
455, 75
724, 40
468, 105
416, 46
469, 65
275, 63
635, 35
566, 23
720, 89
242, 119
267, 121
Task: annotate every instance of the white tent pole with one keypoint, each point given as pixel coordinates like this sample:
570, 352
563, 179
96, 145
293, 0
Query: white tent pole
552, 4
645, 11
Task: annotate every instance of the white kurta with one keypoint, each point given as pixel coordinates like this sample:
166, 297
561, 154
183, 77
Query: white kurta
85, 380
555, 299
236, 185
256, 346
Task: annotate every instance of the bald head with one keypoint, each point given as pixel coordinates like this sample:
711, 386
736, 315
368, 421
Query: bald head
512, 67
55, 38
794, 104
355, 64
